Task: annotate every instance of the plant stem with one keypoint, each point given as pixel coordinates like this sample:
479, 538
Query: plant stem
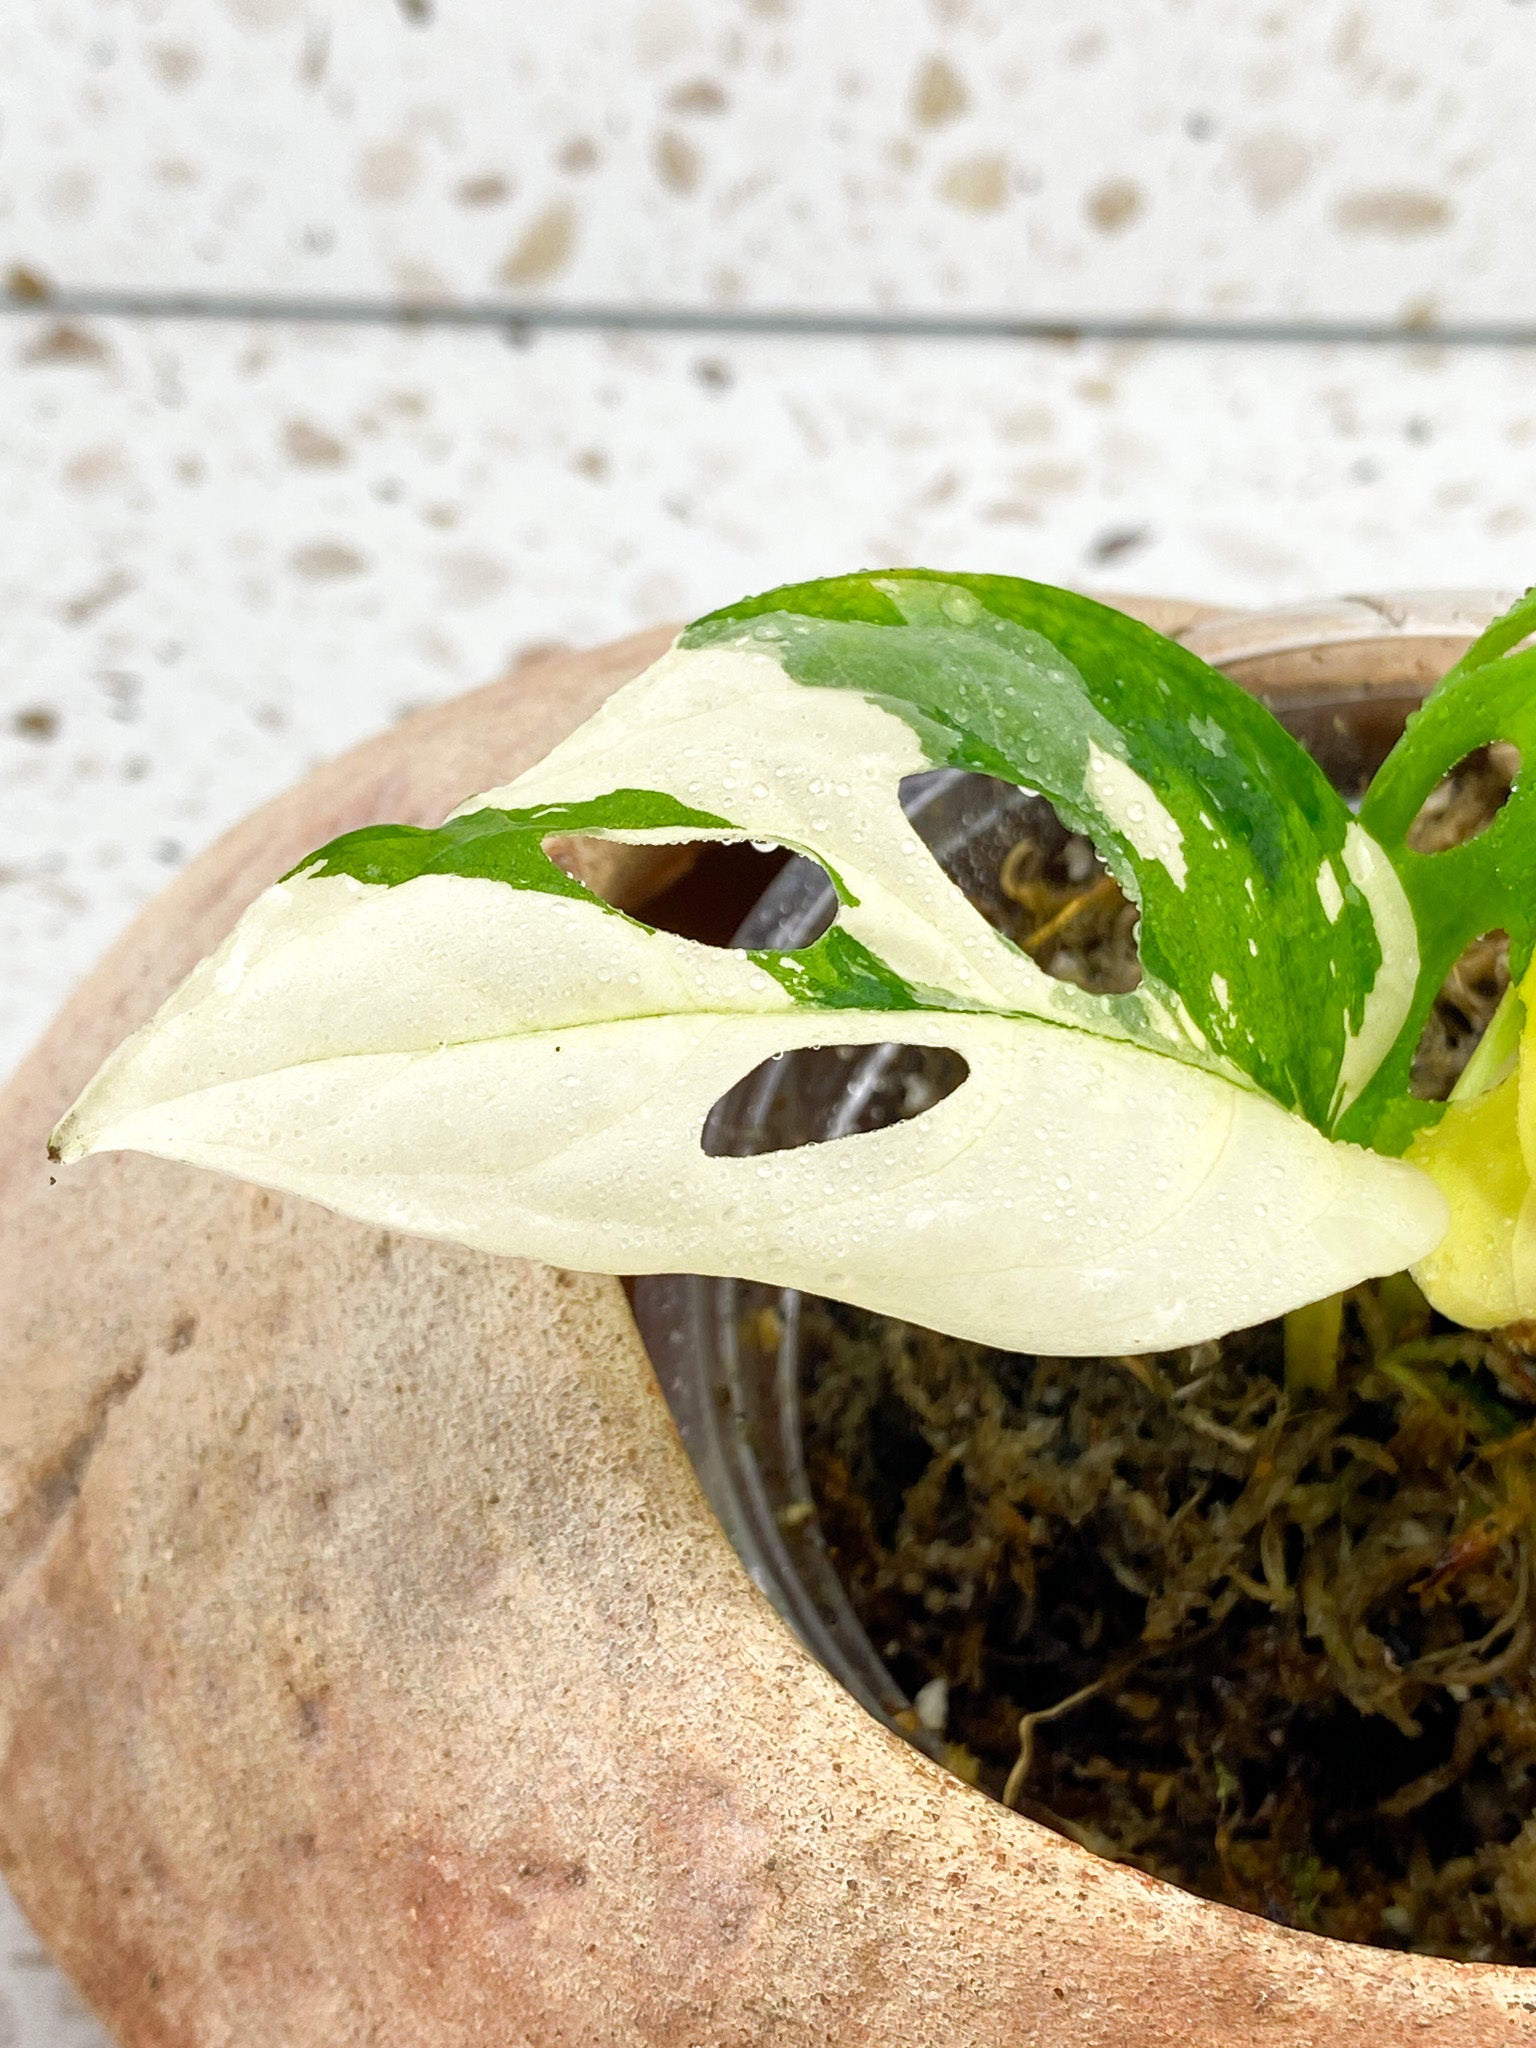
1312, 1347
1495, 1050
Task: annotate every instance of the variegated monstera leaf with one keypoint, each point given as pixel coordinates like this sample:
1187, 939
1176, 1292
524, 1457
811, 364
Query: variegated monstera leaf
442, 1032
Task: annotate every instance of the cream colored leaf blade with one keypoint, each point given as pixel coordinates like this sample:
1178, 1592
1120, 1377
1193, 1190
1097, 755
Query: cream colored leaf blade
1074, 1195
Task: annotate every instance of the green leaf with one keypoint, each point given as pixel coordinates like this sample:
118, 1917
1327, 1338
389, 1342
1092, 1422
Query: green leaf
441, 1032
499, 845
1266, 912
1461, 893
1505, 633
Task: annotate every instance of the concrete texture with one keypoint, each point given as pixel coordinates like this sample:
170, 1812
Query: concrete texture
1360, 157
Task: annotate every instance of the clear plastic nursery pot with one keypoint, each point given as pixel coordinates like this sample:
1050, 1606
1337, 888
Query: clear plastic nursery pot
1343, 677
373, 1669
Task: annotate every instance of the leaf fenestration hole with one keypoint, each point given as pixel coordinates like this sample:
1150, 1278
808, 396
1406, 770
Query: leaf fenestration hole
700, 890
1035, 880
817, 1094
1468, 997
1466, 800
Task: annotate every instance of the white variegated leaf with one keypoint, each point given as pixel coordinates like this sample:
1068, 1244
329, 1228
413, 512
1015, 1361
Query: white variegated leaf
441, 1032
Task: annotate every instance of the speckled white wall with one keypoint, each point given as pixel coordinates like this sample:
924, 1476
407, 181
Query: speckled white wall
1334, 156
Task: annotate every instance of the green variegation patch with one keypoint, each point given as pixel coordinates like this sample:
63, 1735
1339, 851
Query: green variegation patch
1457, 895
441, 1031
1263, 903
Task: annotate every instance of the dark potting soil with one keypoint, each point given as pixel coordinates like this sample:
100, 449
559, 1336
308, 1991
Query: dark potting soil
1272, 1643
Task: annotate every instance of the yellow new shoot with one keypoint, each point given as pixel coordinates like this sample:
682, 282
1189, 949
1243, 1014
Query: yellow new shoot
1481, 1155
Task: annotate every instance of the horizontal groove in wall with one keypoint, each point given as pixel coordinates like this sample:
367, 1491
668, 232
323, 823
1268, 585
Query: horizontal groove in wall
518, 320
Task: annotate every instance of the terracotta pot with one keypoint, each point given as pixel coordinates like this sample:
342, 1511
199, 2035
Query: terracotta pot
374, 1672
